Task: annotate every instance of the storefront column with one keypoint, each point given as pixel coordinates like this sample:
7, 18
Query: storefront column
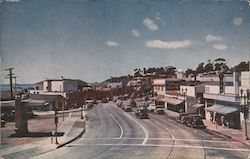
207, 115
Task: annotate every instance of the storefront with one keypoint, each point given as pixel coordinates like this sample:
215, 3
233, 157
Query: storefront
173, 104
225, 114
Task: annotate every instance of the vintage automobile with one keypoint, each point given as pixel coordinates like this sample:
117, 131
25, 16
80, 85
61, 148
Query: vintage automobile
141, 113
118, 103
195, 121
182, 118
159, 109
3, 119
133, 104
127, 107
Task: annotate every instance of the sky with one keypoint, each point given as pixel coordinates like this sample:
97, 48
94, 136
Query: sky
93, 40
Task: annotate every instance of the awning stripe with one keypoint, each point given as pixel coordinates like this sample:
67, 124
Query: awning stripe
198, 105
222, 109
172, 101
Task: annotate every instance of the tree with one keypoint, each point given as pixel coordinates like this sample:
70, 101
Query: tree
189, 72
208, 67
243, 66
170, 71
220, 65
200, 68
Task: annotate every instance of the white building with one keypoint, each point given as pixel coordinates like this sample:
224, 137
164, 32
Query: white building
180, 73
214, 77
159, 86
223, 102
55, 87
114, 84
60, 85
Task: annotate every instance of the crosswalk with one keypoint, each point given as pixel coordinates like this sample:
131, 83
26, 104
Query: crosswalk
161, 142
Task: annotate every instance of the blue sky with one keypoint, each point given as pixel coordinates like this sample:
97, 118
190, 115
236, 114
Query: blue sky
93, 40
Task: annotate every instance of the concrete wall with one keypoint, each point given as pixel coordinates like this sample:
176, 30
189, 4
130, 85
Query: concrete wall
45, 85
190, 90
56, 86
69, 86
159, 86
115, 85
245, 79
212, 89
230, 90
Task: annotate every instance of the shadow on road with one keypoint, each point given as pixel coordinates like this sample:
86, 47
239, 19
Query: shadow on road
35, 134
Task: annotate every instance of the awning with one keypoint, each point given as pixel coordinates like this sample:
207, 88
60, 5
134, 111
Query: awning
198, 105
215, 107
226, 110
222, 109
173, 101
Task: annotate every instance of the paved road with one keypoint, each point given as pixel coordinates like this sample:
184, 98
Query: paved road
113, 133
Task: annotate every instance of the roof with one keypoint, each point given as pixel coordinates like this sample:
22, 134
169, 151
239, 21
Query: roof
198, 105
222, 109
28, 102
173, 101
48, 98
79, 82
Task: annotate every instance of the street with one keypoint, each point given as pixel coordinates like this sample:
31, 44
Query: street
113, 133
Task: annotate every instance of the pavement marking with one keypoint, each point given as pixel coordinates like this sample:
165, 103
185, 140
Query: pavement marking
143, 128
191, 140
159, 124
167, 145
118, 125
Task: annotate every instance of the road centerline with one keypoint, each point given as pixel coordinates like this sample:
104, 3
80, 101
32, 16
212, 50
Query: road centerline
143, 128
117, 124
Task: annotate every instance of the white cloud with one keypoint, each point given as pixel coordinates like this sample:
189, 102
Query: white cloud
168, 45
150, 24
237, 21
135, 33
210, 38
112, 43
220, 46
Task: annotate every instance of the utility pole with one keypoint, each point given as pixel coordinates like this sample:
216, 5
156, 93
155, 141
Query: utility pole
10, 75
15, 81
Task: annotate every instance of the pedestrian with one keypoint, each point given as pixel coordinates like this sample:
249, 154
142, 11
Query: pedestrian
222, 121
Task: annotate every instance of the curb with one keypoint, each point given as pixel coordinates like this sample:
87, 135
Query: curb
228, 136
71, 140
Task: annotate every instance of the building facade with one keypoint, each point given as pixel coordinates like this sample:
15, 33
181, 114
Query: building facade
222, 102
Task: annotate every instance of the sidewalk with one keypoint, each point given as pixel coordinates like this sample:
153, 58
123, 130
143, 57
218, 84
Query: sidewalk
72, 128
234, 134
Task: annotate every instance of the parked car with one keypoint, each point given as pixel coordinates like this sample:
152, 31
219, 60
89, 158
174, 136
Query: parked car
151, 107
3, 119
133, 104
118, 103
159, 109
195, 121
104, 100
89, 103
182, 118
127, 108
141, 113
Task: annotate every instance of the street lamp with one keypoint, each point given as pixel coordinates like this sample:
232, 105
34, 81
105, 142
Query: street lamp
81, 112
56, 122
244, 108
184, 92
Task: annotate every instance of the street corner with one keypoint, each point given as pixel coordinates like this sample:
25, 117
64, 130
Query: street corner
74, 128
